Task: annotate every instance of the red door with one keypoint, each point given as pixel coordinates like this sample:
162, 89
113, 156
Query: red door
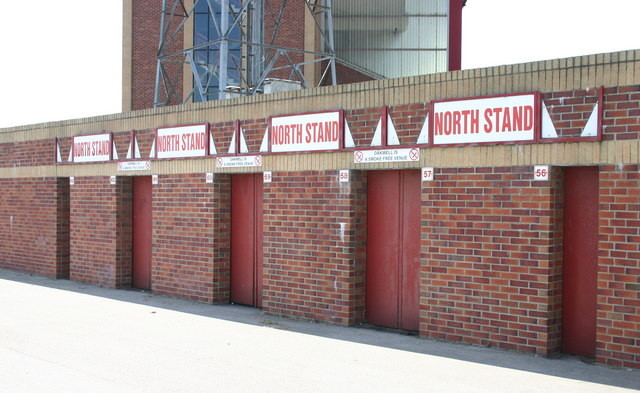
142, 232
393, 249
580, 265
246, 239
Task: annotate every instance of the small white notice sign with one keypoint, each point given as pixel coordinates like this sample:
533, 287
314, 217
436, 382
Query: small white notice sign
386, 155
343, 176
427, 174
134, 166
541, 173
238, 161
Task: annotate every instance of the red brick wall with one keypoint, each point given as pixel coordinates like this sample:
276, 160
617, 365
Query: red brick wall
314, 246
618, 338
492, 258
145, 41
621, 118
191, 229
34, 231
101, 231
570, 110
289, 33
32, 153
362, 123
408, 121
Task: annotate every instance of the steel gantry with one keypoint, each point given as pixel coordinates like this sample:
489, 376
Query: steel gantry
243, 48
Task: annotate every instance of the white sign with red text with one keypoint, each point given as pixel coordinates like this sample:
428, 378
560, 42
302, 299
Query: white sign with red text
182, 141
306, 132
486, 120
238, 161
386, 155
92, 148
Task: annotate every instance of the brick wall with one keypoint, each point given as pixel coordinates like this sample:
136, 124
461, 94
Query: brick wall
622, 113
362, 123
191, 246
34, 236
618, 340
145, 38
314, 246
491, 237
491, 272
31, 153
101, 231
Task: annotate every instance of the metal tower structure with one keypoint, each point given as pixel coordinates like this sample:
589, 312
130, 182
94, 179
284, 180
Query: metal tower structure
241, 48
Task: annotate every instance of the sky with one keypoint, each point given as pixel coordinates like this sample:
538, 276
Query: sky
62, 60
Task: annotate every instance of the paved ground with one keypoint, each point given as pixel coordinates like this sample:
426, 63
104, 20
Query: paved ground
62, 336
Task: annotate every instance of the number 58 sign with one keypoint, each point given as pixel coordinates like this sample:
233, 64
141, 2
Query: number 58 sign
541, 172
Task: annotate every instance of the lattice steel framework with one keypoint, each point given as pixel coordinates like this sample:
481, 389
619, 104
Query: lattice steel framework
239, 24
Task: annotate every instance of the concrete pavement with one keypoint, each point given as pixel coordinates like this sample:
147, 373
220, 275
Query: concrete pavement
63, 336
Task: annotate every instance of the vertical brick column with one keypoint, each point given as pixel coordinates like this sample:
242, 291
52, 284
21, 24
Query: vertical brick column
618, 342
63, 210
100, 226
33, 236
191, 229
491, 258
314, 246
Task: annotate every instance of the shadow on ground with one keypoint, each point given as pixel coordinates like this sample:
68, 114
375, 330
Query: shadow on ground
563, 366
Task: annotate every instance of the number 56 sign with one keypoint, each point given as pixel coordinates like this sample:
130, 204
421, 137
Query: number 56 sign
541, 172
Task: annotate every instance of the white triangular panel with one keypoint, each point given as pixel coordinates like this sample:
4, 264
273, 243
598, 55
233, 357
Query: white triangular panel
115, 151
264, 146
548, 129
232, 146
348, 138
591, 128
58, 155
137, 148
392, 135
212, 145
70, 155
153, 150
243, 142
129, 153
423, 138
377, 136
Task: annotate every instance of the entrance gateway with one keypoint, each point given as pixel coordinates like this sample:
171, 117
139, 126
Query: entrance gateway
393, 249
142, 208
580, 267
246, 239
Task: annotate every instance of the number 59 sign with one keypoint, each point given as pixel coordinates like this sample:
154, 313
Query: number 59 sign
541, 172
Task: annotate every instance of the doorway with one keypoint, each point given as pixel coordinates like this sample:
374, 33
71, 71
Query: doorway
142, 208
580, 261
246, 239
393, 249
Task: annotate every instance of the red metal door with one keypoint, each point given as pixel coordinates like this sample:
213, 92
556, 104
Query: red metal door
393, 249
141, 232
580, 261
410, 250
246, 239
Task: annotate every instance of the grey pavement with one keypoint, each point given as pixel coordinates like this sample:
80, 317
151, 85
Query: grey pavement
64, 336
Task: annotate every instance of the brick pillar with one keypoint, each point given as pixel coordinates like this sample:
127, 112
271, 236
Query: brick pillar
314, 246
491, 258
191, 227
617, 341
100, 231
